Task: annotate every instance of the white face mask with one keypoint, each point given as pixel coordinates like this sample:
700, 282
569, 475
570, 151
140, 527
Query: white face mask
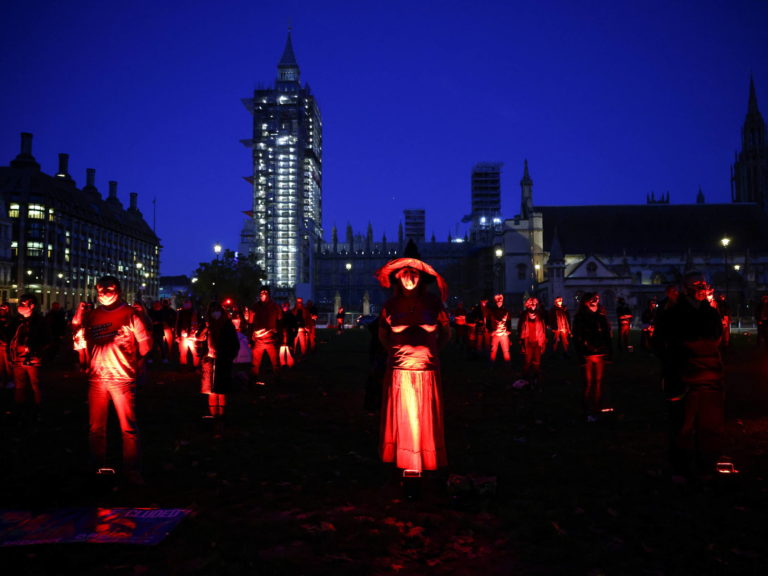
216, 315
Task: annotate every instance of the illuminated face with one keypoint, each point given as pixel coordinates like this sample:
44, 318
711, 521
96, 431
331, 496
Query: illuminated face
558, 302
25, 308
697, 289
409, 278
593, 303
499, 299
531, 303
107, 295
263, 295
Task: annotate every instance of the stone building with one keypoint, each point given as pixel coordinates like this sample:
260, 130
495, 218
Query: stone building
57, 239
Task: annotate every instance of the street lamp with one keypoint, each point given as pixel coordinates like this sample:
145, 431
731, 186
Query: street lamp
725, 241
499, 254
348, 266
217, 250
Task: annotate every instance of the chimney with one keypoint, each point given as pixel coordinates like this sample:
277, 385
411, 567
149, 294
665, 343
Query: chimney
112, 190
63, 166
90, 177
25, 158
26, 144
133, 201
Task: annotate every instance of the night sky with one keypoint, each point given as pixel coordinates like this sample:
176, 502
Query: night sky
609, 101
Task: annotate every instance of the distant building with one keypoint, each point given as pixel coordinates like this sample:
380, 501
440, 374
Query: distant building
486, 201
284, 228
628, 251
634, 251
415, 225
56, 239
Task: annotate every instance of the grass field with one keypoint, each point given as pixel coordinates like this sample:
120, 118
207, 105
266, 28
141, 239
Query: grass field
294, 485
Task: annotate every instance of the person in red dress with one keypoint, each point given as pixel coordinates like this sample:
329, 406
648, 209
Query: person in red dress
413, 327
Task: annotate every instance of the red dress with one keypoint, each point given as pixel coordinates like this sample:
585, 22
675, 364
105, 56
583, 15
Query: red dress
412, 435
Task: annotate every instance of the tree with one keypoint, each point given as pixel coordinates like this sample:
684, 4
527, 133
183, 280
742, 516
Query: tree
228, 277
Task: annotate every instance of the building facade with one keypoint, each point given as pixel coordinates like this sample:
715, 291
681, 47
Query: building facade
58, 239
284, 228
627, 251
634, 251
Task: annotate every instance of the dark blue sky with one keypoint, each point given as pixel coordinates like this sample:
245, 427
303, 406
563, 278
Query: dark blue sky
607, 100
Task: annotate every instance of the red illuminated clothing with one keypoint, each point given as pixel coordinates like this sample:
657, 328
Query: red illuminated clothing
532, 333
112, 336
412, 328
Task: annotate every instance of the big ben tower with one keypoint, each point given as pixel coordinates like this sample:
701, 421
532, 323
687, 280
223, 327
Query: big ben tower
285, 225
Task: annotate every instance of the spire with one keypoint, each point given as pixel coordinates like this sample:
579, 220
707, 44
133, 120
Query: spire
752, 105
288, 68
526, 186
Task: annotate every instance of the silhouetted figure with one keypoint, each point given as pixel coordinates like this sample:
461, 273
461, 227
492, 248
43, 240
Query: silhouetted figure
624, 318
592, 341
687, 337
560, 324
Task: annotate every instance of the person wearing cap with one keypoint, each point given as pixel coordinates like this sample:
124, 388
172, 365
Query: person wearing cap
592, 341
413, 328
687, 339
115, 336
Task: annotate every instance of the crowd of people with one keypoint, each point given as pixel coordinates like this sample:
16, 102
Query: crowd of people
114, 341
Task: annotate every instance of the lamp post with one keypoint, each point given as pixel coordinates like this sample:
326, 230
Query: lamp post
348, 266
499, 254
725, 241
217, 250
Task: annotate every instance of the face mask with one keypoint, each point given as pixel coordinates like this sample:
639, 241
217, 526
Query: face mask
216, 315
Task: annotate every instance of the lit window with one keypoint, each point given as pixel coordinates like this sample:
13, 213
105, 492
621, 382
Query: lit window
36, 212
13, 211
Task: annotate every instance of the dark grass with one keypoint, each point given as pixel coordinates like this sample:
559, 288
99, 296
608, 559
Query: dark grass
294, 485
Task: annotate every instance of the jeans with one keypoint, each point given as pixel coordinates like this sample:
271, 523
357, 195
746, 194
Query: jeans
500, 341
123, 397
261, 346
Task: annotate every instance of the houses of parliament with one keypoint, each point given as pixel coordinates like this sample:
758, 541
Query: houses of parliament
56, 238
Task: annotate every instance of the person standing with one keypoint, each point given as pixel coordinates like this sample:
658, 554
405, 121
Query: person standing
532, 335
592, 341
312, 325
687, 339
648, 318
560, 324
413, 327
301, 341
624, 318
26, 349
223, 346
115, 336
6, 370
264, 319
725, 316
499, 326
187, 326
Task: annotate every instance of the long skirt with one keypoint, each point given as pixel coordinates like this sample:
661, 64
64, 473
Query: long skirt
412, 433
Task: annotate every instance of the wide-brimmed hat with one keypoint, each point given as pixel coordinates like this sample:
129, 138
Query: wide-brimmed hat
385, 274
